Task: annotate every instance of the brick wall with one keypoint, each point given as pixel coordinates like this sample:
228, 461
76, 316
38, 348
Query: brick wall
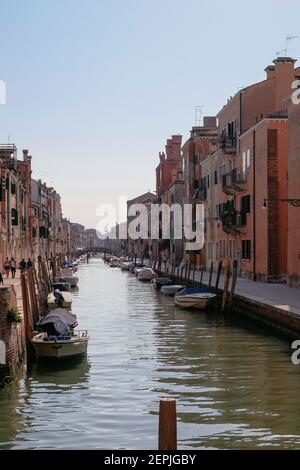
11, 333
273, 204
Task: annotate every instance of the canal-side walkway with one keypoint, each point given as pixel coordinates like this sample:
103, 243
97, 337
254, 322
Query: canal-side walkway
272, 302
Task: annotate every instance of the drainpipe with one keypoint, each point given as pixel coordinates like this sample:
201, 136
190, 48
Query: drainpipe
254, 207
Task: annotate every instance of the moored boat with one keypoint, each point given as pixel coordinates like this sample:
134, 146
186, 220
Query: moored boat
147, 274
57, 338
171, 289
159, 282
200, 298
62, 286
53, 301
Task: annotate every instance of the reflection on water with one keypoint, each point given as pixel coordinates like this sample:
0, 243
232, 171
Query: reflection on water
235, 386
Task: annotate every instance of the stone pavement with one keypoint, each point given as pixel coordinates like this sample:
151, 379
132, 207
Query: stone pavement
17, 286
272, 294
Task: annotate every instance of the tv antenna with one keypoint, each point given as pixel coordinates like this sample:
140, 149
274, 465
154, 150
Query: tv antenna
288, 39
198, 115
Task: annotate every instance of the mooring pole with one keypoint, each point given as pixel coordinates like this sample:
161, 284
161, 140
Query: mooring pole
226, 285
218, 276
210, 273
167, 432
233, 281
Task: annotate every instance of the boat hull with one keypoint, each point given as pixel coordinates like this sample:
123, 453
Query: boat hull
201, 303
60, 349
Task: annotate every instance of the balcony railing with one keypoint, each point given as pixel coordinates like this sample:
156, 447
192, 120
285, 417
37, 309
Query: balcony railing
227, 143
233, 182
234, 223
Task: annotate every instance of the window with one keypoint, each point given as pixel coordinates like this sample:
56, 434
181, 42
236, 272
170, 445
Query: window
245, 209
208, 182
14, 217
248, 158
244, 164
216, 177
246, 249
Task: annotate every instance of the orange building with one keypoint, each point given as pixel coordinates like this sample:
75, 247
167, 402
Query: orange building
248, 175
293, 245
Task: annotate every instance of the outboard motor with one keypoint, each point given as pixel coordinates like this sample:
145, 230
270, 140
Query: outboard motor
58, 298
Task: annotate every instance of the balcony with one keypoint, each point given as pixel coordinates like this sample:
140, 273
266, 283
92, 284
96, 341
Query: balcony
227, 143
234, 223
234, 182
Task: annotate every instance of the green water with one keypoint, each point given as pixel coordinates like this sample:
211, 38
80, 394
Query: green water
235, 386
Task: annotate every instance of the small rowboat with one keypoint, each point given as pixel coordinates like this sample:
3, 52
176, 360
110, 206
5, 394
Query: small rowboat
171, 290
66, 304
200, 298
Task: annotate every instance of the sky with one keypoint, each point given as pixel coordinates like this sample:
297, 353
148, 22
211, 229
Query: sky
95, 87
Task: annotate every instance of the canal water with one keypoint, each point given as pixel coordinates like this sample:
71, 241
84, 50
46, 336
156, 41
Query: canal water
235, 385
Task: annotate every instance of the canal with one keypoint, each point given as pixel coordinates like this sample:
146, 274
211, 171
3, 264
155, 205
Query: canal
235, 385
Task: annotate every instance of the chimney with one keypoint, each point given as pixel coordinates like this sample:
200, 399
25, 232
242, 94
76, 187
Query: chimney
284, 76
270, 71
162, 156
210, 121
169, 149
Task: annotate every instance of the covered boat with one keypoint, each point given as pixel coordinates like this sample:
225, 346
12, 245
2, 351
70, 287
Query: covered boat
53, 300
158, 282
127, 265
62, 286
171, 289
147, 274
57, 337
201, 298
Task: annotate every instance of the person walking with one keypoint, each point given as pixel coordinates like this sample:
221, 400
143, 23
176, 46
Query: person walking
13, 267
1, 279
29, 264
22, 265
7, 267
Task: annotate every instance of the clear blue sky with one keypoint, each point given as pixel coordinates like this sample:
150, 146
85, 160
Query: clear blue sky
95, 87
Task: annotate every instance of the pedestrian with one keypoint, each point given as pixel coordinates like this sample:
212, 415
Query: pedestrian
22, 265
29, 264
13, 267
1, 279
7, 267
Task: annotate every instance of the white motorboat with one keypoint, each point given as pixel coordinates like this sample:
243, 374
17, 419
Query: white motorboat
67, 300
200, 298
58, 339
171, 290
147, 274
74, 344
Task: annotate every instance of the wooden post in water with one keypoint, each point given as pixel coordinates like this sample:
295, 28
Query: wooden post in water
218, 276
210, 273
28, 328
178, 273
226, 285
201, 277
188, 275
194, 271
167, 432
233, 281
181, 274
185, 274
